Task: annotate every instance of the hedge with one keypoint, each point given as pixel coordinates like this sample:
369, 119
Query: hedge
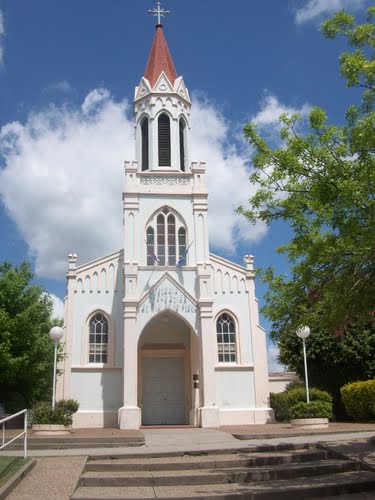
281, 403
314, 409
359, 399
62, 414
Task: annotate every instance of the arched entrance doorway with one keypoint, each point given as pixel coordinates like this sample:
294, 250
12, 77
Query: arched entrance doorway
165, 367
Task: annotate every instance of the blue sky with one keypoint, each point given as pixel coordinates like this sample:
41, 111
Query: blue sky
67, 75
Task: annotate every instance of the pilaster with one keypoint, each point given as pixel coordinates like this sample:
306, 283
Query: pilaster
258, 336
129, 415
63, 388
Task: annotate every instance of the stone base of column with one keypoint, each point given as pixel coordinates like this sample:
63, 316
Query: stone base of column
209, 416
129, 417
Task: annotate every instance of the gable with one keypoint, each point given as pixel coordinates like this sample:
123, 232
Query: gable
167, 293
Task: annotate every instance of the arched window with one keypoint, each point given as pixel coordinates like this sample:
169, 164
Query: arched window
144, 132
226, 339
182, 127
164, 140
166, 239
98, 339
150, 239
182, 245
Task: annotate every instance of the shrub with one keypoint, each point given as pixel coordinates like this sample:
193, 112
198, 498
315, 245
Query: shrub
282, 402
61, 415
359, 399
280, 405
68, 405
314, 409
295, 384
299, 394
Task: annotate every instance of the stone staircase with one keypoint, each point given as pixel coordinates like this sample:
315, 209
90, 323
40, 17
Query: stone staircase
78, 442
272, 472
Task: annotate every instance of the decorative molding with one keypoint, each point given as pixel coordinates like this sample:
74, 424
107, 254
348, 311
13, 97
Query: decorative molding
223, 367
159, 180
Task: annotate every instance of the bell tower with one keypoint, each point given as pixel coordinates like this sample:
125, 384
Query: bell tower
161, 111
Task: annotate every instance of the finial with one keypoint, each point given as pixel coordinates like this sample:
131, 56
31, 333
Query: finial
249, 262
158, 12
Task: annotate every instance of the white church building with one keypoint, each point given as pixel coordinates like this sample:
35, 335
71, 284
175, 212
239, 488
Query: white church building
163, 332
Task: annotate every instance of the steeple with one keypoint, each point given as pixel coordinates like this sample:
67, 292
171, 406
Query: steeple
160, 59
161, 110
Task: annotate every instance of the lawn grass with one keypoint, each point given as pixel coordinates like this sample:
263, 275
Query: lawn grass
9, 466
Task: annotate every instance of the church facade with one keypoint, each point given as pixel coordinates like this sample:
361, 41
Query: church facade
163, 332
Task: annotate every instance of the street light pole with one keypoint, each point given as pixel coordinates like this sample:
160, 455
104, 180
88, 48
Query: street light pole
56, 333
303, 333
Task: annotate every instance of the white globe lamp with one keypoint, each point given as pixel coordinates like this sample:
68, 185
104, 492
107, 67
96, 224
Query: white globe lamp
303, 333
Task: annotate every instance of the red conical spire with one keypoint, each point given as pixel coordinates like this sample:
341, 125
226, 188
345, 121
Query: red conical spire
160, 59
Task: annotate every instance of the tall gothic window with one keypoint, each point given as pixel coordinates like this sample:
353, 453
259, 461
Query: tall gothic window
164, 140
144, 133
165, 239
98, 339
150, 239
226, 339
182, 127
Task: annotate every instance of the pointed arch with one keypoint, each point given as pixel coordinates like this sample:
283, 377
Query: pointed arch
145, 143
166, 238
182, 137
226, 332
98, 338
164, 140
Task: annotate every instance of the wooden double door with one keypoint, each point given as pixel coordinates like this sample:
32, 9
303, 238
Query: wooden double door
163, 391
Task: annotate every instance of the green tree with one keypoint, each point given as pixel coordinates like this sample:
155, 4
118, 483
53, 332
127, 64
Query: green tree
26, 351
333, 360
321, 181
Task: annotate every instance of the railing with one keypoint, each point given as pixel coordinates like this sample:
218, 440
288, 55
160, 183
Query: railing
24, 433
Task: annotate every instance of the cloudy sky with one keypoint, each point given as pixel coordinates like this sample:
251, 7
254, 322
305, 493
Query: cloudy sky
67, 75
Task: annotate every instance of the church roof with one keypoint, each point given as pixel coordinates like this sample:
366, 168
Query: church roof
160, 59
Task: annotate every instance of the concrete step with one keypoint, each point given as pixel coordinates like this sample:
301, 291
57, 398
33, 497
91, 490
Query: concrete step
188, 462
298, 488
56, 443
215, 476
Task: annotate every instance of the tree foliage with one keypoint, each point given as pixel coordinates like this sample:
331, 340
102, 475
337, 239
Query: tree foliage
26, 351
322, 181
333, 361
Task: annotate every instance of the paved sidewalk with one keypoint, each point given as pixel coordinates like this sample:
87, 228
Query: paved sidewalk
52, 478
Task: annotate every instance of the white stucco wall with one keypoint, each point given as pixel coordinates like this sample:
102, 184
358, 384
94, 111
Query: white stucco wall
97, 390
234, 388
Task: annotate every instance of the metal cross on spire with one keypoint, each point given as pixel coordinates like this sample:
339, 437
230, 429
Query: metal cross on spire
158, 12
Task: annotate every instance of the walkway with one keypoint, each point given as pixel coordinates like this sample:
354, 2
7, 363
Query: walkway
56, 472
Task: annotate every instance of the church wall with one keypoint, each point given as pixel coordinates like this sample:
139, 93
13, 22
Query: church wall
238, 306
97, 389
234, 387
85, 306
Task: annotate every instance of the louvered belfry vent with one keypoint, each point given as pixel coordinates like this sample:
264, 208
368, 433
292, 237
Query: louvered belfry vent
164, 140
144, 131
182, 144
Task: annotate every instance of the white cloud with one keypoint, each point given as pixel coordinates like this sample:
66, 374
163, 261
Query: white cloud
267, 119
62, 179
2, 36
227, 178
316, 9
58, 306
273, 363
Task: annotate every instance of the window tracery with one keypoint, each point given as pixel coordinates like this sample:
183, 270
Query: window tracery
226, 339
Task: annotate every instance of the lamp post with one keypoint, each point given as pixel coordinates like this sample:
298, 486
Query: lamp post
56, 333
303, 333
